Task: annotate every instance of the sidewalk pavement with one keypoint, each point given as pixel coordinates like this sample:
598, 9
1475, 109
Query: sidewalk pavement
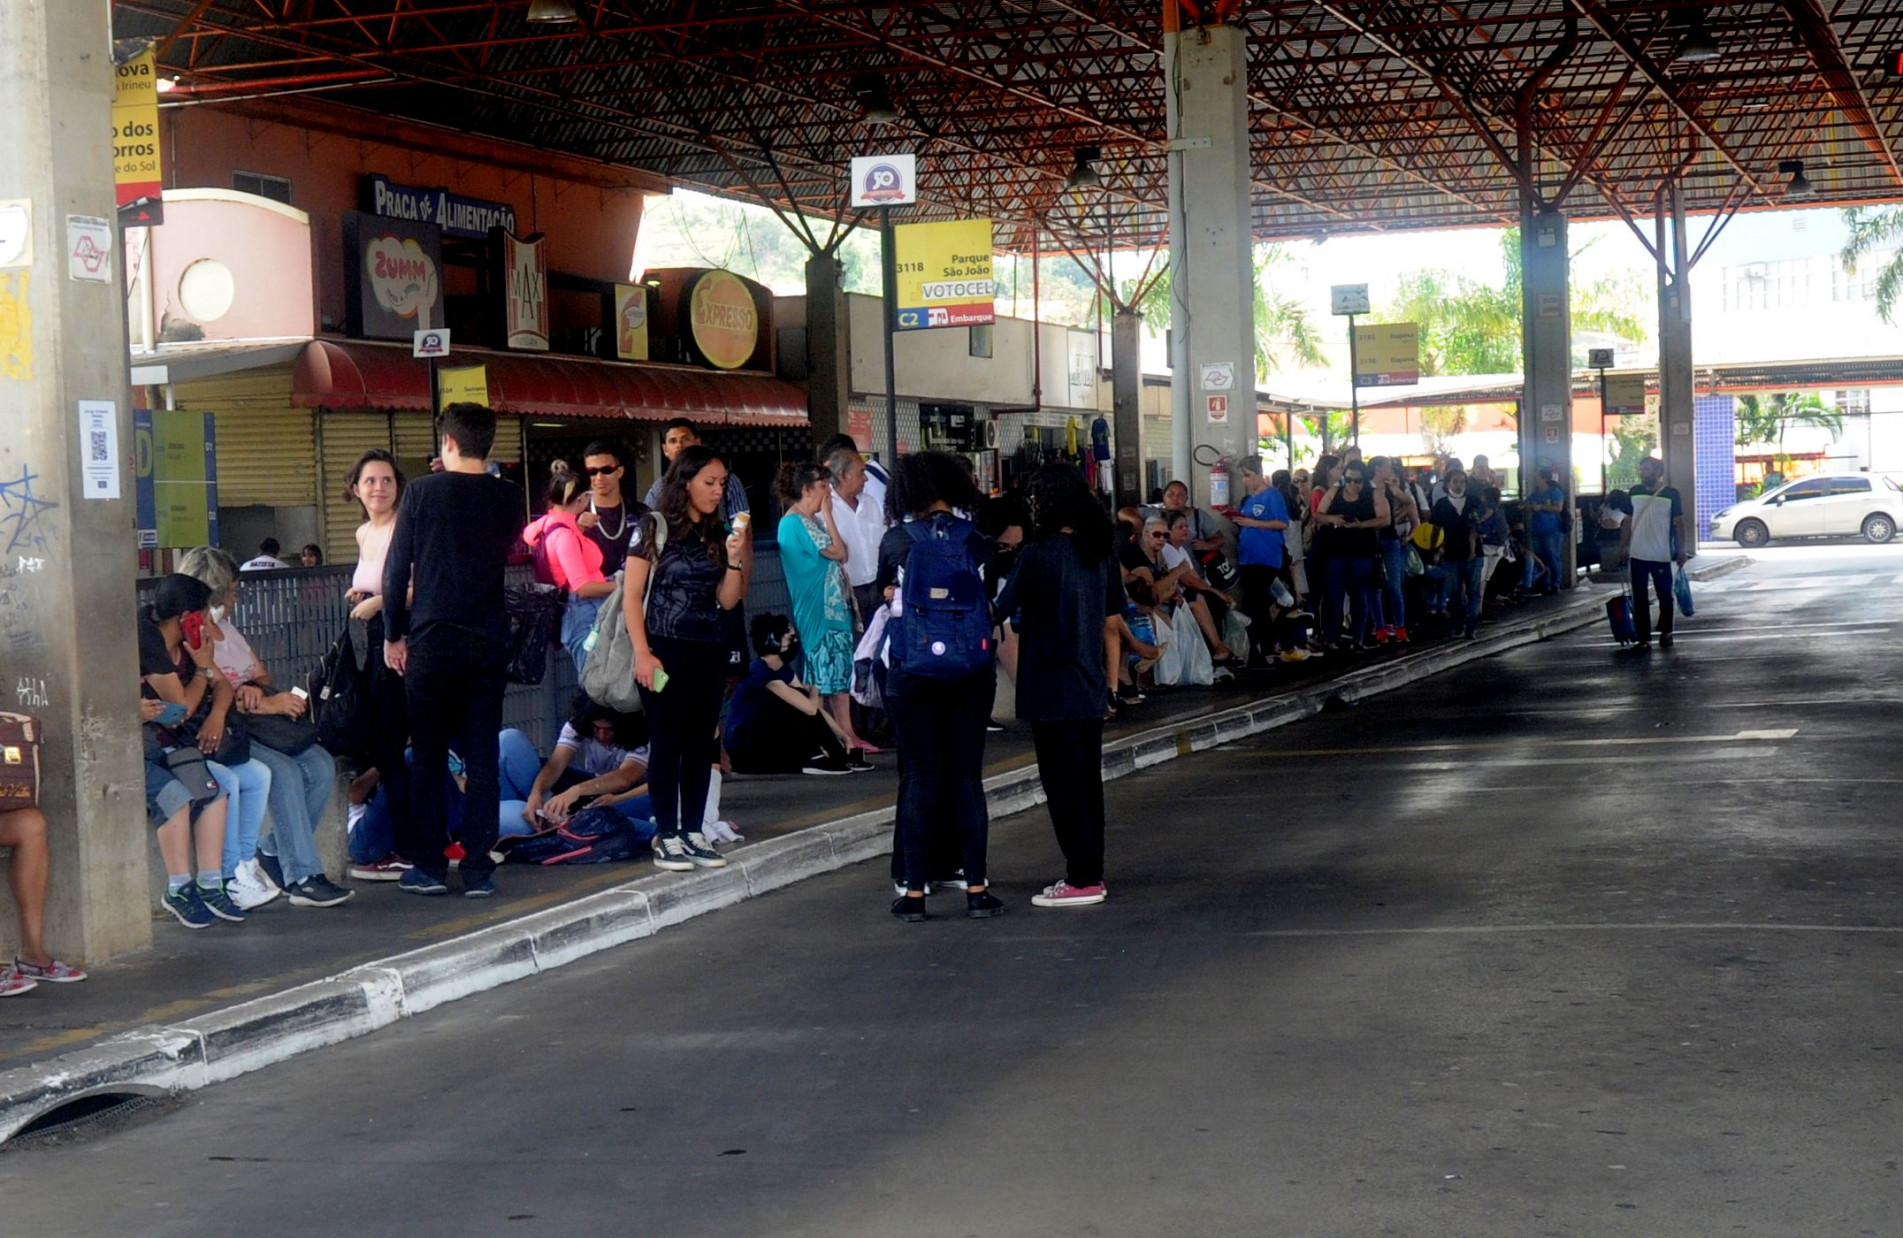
202, 1007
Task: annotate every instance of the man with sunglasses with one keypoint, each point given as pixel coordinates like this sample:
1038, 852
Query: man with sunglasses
610, 517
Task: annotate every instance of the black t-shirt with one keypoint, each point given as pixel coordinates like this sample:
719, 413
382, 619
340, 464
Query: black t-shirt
156, 659
613, 531
455, 531
1134, 560
1459, 524
753, 698
1057, 606
1353, 543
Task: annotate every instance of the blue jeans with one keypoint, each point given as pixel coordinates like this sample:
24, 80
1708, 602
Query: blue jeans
300, 791
1350, 579
1460, 585
578, 623
1391, 598
248, 787
1545, 555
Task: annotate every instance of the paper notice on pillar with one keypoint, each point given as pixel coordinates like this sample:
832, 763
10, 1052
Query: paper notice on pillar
99, 448
16, 233
89, 249
1218, 409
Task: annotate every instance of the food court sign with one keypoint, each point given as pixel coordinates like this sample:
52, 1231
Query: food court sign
944, 272
467, 219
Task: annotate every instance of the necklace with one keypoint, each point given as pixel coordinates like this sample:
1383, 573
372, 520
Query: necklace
619, 530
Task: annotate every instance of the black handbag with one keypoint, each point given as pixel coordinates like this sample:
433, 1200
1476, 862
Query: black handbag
535, 616
234, 746
290, 736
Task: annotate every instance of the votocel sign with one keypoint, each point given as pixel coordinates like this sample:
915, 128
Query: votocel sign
723, 320
944, 274
392, 277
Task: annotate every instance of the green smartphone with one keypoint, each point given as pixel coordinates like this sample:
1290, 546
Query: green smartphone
660, 680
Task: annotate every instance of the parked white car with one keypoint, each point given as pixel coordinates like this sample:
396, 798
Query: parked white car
1835, 505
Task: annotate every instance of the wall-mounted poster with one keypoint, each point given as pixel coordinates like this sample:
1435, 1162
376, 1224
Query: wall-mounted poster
392, 277
523, 268
631, 322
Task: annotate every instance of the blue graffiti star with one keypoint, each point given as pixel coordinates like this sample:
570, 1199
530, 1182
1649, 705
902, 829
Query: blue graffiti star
20, 511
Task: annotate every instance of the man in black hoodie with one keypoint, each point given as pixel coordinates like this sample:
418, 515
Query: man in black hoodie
1457, 514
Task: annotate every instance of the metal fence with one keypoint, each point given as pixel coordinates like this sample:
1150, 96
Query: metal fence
291, 618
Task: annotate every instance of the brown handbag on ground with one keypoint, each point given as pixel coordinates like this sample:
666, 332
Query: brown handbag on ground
19, 762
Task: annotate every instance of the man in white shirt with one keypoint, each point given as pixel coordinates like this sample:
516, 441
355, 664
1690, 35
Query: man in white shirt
860, 526
267, 560
1657, 535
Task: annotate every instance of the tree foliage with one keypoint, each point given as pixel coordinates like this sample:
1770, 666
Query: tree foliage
1766, 419
1877, 231
1284, 332
1470, 326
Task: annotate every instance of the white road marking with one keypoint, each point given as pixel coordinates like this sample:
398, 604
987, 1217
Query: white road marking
1487, 930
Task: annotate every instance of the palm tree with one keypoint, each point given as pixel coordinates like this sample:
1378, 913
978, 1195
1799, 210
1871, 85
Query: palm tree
1877, 230
1283, 329
1471, 327
1760, 419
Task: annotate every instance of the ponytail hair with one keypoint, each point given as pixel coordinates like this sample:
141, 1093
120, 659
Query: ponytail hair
563, 485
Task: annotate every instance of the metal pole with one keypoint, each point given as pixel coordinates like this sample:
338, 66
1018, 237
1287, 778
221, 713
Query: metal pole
1602, 434
889, 264
1354, 386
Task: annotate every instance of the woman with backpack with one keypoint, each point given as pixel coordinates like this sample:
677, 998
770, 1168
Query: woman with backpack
933, 570
1060, 597
687, 568
566, 556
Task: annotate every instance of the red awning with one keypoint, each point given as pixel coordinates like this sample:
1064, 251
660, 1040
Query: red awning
355, 374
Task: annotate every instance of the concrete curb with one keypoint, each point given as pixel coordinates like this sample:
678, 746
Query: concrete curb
1723, 567
163, 1060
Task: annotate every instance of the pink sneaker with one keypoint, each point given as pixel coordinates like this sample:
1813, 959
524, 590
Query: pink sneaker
12, 983
54, 972
1063, 894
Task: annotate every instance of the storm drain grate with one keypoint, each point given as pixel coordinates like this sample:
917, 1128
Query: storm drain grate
78, 1118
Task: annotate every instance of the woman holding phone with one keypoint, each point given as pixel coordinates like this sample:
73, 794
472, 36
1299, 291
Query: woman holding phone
687, 569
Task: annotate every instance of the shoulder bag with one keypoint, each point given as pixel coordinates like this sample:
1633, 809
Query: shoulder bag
608, 674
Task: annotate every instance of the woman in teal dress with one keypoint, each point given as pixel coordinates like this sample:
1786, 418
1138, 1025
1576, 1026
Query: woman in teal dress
813, 556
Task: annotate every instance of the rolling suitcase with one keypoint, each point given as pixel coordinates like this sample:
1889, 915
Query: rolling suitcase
1619, 619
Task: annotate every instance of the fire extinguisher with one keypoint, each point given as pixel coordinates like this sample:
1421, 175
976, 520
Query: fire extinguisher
1219, 483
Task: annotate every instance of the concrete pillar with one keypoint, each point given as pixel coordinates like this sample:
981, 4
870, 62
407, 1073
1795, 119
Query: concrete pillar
1676, 412
68, 559
1546, 411
1212, 301
828, 347
1126, 409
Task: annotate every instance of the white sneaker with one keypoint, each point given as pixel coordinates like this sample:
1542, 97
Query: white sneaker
353, 816
249, 888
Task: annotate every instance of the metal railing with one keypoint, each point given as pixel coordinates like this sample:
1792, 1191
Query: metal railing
292, 617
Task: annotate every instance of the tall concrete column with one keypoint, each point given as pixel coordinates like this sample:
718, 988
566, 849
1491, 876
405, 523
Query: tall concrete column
828, 347
1676, 409
67, 559
1546, 411
1212, 301
1126, 409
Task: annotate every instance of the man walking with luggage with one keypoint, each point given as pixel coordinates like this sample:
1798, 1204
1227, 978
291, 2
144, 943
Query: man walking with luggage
454, 530
1658, 535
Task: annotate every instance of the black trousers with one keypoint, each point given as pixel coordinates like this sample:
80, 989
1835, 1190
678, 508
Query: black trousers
454, 687
781, 741
387, 746
1265, 631
941, 726
683, 744
1659, 576
1070, 764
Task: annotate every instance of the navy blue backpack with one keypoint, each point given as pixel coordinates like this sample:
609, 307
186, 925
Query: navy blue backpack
591, 836
944, 631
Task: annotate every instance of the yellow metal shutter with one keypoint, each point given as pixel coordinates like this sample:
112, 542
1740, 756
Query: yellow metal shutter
265, 450
345, 437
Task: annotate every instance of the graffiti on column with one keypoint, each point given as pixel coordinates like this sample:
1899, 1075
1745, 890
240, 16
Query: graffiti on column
20, 513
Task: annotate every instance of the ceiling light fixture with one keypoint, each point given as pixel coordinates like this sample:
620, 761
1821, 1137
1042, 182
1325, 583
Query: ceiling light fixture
553, 12
876, 106
1698, 46
1799, 186
1082, 174
166, 84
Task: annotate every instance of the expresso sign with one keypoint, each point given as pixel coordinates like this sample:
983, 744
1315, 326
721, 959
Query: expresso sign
468, 219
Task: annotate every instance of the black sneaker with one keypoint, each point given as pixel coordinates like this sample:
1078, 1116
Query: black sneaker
670, 853
909, 909
219, 904
317, 891
826, 767
481, 888
856, 762
993, 726
273, 869
1665, 641
416, 881
983, 906
702, 853
190, 911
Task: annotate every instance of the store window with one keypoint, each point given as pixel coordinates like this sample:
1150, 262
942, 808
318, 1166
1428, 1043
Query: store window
980, 340
276, 188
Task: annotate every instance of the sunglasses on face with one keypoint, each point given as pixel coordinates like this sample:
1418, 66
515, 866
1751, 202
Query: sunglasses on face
603, 472
1351, 481
1157, 537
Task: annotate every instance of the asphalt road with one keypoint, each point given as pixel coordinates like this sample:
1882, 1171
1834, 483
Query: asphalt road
1568, 942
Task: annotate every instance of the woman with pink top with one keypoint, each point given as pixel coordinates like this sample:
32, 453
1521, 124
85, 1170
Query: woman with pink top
566, 556
376, 483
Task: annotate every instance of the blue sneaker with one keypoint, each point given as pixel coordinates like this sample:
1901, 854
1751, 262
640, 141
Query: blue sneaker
219, 904
416, 881
484, 888
185, 905
272, 869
